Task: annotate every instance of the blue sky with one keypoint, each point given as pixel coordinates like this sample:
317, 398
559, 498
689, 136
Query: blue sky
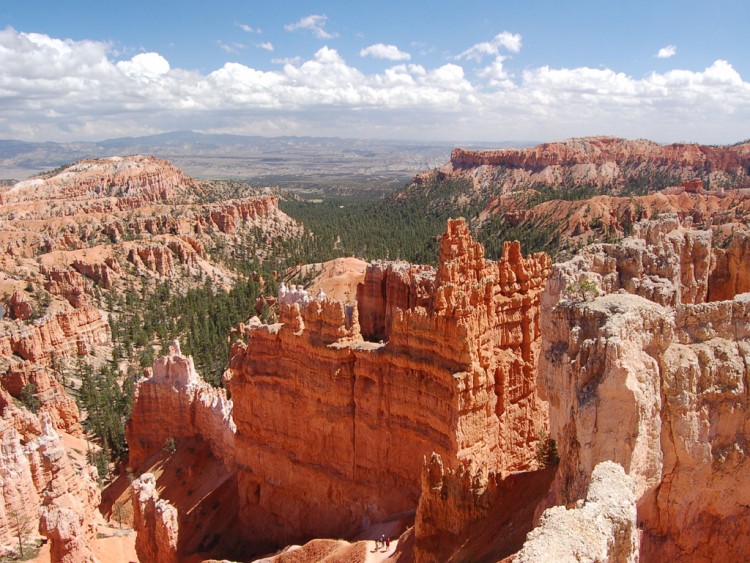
448, 71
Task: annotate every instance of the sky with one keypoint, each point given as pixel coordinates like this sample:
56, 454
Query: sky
475, 70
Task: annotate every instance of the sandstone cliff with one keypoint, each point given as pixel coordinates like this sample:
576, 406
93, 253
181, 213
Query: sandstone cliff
332, 424
653, 376
603, 160
181, 437
173, 402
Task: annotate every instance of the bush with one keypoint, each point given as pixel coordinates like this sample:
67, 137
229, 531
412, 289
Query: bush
28, 397
546, 451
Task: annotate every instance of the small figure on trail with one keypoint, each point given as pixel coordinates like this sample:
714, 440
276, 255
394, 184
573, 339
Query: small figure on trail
382, 540
387, 544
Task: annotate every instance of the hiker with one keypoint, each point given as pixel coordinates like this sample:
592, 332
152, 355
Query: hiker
382, 540
387, 544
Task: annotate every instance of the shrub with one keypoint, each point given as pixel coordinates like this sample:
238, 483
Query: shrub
582, 290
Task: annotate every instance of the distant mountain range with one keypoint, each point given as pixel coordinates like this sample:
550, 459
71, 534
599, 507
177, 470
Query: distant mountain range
236, 156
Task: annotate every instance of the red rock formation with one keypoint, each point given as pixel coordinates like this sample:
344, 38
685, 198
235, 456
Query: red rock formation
72, 333
155, 522
139, 178
475, 515
101, 273
153, 257
455, 377
731, 273
603, 150
29, 352
68, 284
173, 402
52, 398
20, 306
389, 286
651, 376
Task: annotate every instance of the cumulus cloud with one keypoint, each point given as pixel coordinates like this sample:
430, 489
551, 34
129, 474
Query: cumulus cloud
382, 51
505, 40
53, 89
667, 52
266, 46
145, 65
315, 23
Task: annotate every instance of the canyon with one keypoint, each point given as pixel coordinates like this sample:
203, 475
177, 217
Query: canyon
641, 383
480, 409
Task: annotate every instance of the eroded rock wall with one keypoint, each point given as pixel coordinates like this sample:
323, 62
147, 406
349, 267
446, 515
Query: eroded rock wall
155, 522
174, 402
39, 486
650, 375
331, 424
600, 528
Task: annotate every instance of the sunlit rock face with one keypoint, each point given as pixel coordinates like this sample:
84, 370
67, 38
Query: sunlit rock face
652, 374
336, 406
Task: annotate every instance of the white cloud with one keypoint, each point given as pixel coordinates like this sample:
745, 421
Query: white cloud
495, 72
505, 40
667, 52
315, 23
382, 51
266, 46
52, 89
145, 65
247, 28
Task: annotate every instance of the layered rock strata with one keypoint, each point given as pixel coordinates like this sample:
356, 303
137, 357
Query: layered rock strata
600, 161
331, 424
651, 375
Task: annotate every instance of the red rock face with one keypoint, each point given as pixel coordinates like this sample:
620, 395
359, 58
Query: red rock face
20, 306
333, 425
731, 273
173, 402
155, 521
601, 150
29, 351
